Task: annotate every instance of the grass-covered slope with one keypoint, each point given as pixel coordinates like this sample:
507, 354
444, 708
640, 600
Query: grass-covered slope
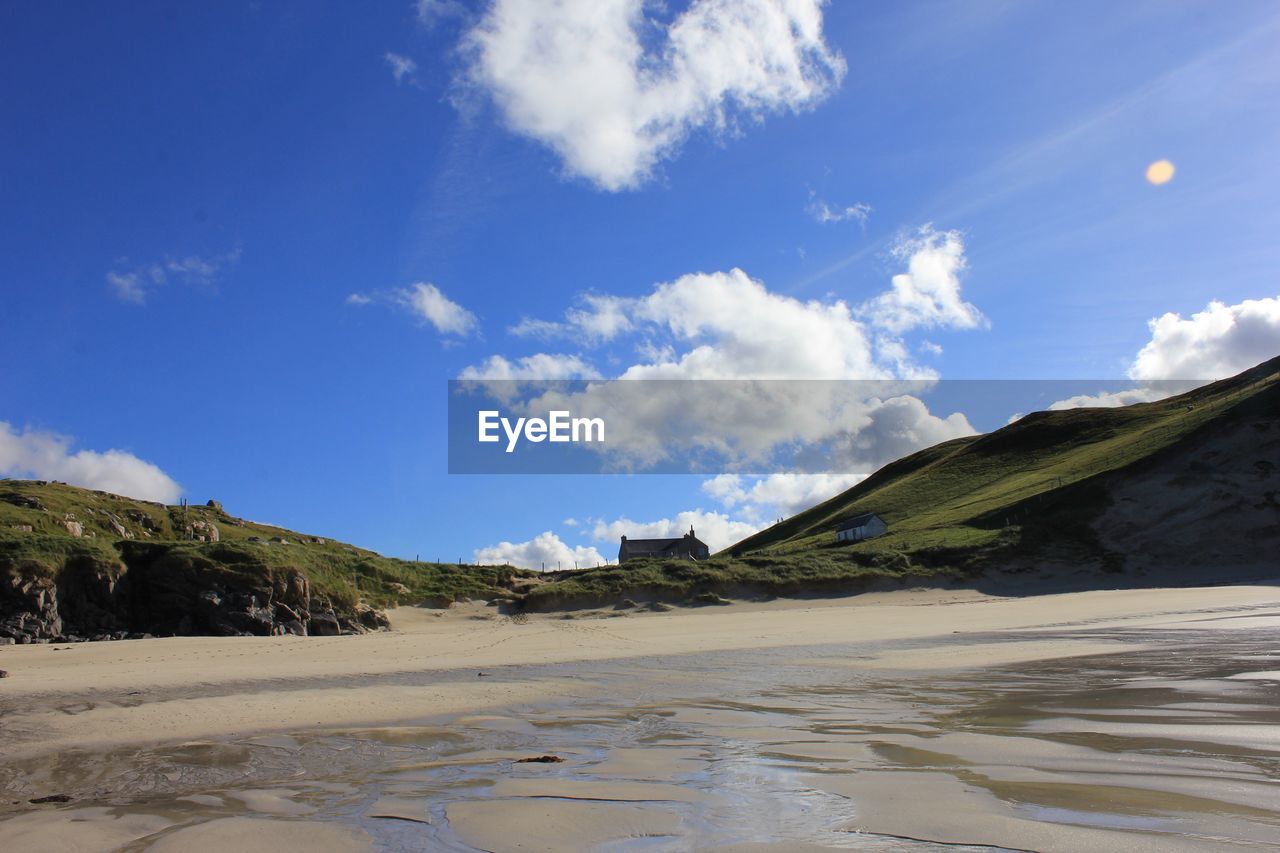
106, 564
1038, 495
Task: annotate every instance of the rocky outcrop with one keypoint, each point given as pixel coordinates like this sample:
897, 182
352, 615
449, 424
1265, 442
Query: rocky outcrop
28, 608
158, 590
202, 531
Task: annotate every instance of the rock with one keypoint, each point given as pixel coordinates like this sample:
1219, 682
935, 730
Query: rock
540, 759
398, 588
22, 528
202, 531
7, 641
28, 608
25, 501
213, 505
371, 618
4, 673
74, 528
324, 625
143, 520
52, 798
119, 529
279, 540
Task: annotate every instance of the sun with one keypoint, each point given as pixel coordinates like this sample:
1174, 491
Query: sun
1160, 172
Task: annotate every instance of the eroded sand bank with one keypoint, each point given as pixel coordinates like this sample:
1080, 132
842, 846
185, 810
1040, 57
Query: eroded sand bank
1072, 721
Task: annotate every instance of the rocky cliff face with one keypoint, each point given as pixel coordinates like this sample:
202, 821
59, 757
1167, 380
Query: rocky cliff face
155, 590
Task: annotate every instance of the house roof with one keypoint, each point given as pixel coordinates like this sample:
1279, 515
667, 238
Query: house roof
857, 521
658, 546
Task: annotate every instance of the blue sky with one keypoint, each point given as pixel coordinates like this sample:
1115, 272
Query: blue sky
217, 218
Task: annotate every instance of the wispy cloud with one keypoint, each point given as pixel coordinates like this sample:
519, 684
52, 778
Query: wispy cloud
824, 214
135, 284
432, 12
426, 302
402, 67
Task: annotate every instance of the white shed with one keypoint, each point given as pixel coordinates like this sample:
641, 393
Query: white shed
865, 526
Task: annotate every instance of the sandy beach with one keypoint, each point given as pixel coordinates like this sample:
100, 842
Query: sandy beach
1052, 722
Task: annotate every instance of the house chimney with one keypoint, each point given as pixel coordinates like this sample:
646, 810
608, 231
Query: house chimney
624, 539
690, 531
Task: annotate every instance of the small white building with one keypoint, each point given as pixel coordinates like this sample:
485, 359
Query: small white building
865, 526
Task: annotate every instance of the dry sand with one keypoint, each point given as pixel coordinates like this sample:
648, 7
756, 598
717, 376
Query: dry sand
385, 689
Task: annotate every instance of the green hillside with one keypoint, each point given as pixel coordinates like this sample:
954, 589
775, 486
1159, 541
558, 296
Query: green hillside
77, 562
1032, 496
1033, 484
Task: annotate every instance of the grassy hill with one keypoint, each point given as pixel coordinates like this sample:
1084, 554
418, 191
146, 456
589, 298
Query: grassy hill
1053, 494
87, 563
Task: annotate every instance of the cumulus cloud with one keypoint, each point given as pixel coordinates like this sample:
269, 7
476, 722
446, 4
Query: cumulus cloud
1220, 341
1215, 343
546, 550
928, 293
46, 456
613, 90
357, 299
728, 326
780, 494
137, 283
541, 366
1110, 399
402, 67
716, 529
825, 214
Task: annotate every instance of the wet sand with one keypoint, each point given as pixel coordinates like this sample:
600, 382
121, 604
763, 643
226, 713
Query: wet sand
1137, 719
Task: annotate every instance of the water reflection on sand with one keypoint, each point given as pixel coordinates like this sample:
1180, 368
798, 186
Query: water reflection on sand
1142, 740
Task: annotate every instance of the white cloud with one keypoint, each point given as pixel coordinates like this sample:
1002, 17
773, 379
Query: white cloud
46, 456
128, 287
825, 214
541, 366
401, 66
730, 326
1111, 399
716, 529
614, 90
780, 494
429, 304
928, 293
546, 550
357, 299
727, 326
135, 285
1220, 341
596, 319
